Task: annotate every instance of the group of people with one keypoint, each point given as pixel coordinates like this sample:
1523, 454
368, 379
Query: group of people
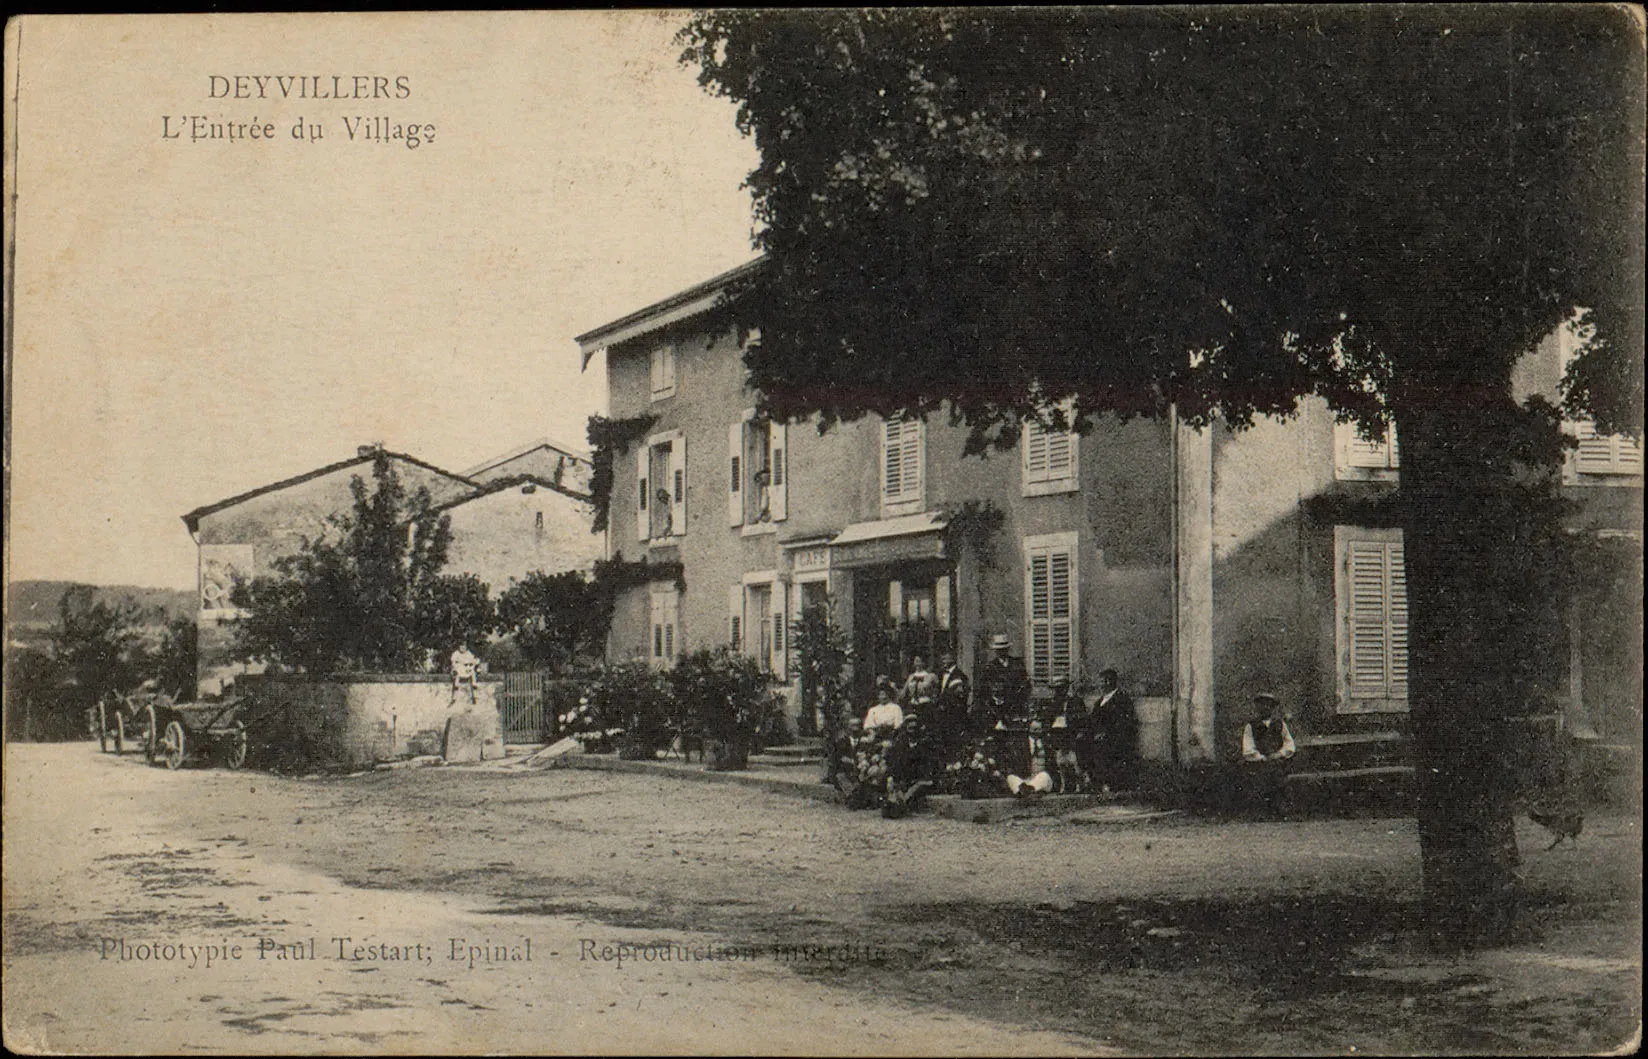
910, 740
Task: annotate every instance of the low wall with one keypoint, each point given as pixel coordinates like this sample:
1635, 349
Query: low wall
361, 720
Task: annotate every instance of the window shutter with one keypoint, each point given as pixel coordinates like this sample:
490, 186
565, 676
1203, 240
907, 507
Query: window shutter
735, 618
892, 477
1369, 642
780, 632
669, 368
911, 459
1360, 452
678, 485
643, 468
1035, 452
1397, 580
1605, 453
735, 472
1050, 609
778, 489
1377, 666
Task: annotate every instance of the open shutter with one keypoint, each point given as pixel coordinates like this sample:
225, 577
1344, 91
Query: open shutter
892, 472
779, 487
735, 618
643, 501
911, 458
735, 474
678, 485
780, 632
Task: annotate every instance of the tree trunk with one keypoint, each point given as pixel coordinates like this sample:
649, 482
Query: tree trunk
1477, 632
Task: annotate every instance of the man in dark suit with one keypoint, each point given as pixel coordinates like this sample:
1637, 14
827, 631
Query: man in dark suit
1003, 688
1108, 741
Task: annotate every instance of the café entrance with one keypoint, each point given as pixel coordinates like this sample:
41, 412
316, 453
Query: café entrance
901, 611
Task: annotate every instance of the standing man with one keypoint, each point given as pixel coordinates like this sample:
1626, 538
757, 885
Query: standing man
950, 711
1116, 727
1003, 687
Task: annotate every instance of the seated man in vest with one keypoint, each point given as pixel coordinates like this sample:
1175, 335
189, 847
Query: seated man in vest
1267, 749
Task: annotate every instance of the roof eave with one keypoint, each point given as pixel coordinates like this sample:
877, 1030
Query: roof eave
682, 305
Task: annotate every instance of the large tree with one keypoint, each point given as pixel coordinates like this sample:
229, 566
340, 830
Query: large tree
1216, 213
368, 593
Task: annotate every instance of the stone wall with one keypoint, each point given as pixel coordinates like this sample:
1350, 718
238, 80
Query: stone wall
359, 721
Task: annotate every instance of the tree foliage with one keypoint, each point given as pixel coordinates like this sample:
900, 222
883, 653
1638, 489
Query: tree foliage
96, 649
555, 619
367, 594
1212, 211
1215, 213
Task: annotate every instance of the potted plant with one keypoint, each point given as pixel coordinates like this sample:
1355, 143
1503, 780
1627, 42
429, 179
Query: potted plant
726, 698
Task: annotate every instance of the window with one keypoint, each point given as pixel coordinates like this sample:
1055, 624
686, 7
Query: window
1052, 646
901, 465
661, 487
666, 619
1355, 456
1598, 454
757, 472
757, 621
1604, 453
1050, 459
661, 371
1371, 594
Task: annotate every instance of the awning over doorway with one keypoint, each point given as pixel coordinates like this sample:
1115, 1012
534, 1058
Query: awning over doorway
889, 540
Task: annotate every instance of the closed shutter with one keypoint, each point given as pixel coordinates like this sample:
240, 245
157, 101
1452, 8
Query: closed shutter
643, 469
779, 487
735, 474
1378, 455
1605, 453
1375, 650
677, 485
1050, 607
1049, 458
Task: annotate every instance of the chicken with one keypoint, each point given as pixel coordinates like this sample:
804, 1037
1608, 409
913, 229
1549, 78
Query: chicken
1564, 821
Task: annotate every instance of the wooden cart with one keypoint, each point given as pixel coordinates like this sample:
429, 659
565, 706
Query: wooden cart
203, 730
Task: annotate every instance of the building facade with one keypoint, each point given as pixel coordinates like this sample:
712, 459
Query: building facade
1203, 565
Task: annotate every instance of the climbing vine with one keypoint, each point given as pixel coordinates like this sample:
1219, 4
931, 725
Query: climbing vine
974, 526
607, 438
616, 574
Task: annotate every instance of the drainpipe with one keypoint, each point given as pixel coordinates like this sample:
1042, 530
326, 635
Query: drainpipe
1177, 574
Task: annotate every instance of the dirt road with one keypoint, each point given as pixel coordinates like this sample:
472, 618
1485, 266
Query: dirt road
476, 910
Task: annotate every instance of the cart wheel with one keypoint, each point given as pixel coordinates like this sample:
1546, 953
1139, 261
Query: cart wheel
102, 727
234, 751
151, 734
171, 745
119, 732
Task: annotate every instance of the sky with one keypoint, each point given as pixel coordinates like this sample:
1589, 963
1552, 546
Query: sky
196, 318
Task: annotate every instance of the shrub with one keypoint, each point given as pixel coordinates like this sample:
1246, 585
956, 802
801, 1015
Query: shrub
724, 696
627, 704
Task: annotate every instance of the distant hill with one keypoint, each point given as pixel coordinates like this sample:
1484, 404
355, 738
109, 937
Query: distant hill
31, 606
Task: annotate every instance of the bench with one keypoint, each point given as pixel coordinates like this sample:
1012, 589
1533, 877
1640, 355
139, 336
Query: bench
1347, 738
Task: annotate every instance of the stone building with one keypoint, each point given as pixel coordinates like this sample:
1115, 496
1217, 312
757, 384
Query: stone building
1204, 565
